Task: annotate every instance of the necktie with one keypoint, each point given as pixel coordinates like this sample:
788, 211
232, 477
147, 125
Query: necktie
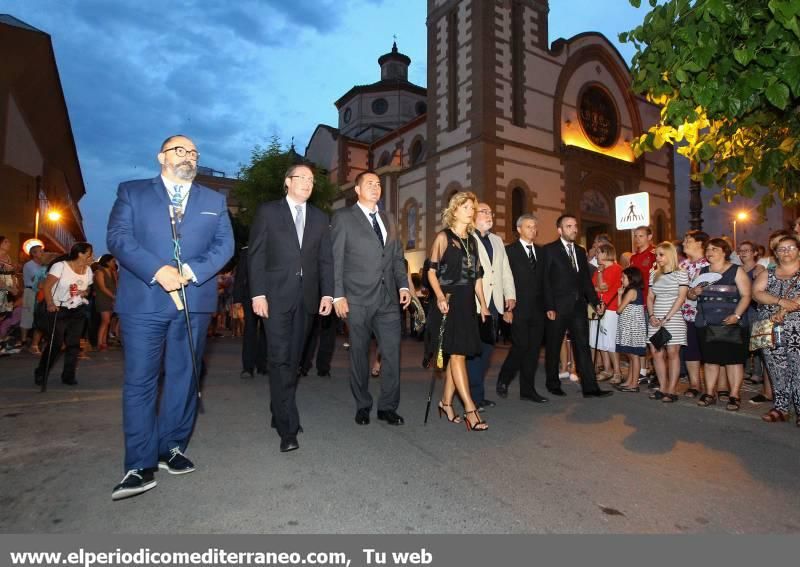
571, 248
376, 227
298, 223
177, 197
531, 257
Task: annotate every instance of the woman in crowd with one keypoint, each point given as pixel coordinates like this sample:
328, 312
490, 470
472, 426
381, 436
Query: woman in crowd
65, 292
777, 291
8, 285
105, 293
607, 281
667, 293
632, 325
455, 280
722, 303
749, 255
694, 247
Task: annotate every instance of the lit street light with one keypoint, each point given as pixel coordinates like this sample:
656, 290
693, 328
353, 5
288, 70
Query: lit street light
52, 215
740, 216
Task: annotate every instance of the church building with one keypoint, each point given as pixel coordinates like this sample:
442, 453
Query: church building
527, 125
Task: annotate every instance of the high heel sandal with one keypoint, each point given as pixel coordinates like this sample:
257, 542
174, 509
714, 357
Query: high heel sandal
476, 427
442, 411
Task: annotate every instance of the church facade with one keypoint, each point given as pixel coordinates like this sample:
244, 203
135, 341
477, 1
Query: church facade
526, 125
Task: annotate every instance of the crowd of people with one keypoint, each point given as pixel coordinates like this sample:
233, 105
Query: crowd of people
31, 294
694, 308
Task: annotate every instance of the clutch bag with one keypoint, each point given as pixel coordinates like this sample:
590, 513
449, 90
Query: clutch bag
661, 338
762, 335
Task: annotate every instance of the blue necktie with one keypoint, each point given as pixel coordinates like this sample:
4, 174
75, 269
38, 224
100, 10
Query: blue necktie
376, 227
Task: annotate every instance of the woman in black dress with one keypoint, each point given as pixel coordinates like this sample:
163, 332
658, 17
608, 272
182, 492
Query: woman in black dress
455, 280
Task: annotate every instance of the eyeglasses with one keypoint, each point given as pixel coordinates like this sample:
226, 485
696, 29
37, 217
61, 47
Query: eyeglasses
303, 178
785, 249
180, 151
486, 212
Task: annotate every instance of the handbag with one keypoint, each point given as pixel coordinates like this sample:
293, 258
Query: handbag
488, 330
762, 335
661, 338
728, 334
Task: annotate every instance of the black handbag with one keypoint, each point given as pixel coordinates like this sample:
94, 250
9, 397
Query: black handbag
488, 330
728, 334
661, 338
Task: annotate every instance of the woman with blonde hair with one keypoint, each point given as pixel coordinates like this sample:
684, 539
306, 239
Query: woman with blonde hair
667, 293
455, 278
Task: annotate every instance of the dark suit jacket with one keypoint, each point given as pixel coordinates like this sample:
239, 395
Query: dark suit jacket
528, 281
564, 288
140, 237
276, 259
365, 271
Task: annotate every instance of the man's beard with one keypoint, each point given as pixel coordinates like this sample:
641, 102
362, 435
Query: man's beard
184, 170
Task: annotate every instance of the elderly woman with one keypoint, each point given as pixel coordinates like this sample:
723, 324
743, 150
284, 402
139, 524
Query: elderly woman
455, 279
777, 291
665, 297
720, 304
65, 291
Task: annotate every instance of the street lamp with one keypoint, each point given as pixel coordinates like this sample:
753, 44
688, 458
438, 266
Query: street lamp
740, 216
52, 215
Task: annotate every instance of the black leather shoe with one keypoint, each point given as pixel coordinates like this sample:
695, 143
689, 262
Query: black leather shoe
535, 397
362, 417
135, 482
302, 372
486, 404
246, 374
176, 462
69, 381
501, 389
289, 444
326, 374
598, 394
262, 371
390, 417
557, 391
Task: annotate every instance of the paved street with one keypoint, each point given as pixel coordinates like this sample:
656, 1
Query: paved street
624, 464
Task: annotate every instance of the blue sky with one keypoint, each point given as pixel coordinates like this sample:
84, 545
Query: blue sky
231, 74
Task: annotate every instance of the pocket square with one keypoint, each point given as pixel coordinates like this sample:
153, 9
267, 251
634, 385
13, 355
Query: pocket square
209, 213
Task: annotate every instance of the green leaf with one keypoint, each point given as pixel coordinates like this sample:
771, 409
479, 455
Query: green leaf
636, 3
743, 56
778, 95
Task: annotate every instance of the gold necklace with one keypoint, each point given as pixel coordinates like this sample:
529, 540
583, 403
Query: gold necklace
466, 249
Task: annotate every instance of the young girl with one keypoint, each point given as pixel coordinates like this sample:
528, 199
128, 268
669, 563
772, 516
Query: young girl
632, 325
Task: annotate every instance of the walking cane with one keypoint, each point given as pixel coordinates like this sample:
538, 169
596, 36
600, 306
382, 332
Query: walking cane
439, 362
185, 308
596, 340
43, 387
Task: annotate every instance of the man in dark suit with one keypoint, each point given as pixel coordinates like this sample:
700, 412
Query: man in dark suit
290, 266
154, 330
568, 291
254, 340
371, 283
527, 319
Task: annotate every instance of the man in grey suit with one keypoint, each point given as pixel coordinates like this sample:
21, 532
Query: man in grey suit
370, 282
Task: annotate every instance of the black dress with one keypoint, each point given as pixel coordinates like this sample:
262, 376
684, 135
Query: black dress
457, 273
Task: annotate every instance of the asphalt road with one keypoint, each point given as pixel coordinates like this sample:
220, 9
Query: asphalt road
624, 464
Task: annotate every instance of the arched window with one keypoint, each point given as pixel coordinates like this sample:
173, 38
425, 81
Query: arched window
384, 159
411, 226
417, 151
517, 205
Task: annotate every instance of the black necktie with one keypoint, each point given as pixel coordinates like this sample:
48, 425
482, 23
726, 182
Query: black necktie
376, 227
531, 257
572, 257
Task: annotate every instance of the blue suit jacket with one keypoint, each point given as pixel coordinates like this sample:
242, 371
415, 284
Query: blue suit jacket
140, 237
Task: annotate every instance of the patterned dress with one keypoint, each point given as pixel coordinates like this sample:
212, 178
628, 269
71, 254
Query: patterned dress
632, 327
666, 290
783, 362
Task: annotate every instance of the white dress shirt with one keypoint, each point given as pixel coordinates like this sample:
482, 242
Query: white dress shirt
573, 254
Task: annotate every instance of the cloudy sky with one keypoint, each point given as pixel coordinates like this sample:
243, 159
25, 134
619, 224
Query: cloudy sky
231, 74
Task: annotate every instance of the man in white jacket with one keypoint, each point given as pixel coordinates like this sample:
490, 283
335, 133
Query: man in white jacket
498, 288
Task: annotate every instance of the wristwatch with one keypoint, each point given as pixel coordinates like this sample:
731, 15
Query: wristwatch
738, 317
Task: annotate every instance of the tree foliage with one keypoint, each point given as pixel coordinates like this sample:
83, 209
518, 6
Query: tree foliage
727, 73
262, 180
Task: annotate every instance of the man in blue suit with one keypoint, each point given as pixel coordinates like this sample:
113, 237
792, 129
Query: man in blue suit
154, 330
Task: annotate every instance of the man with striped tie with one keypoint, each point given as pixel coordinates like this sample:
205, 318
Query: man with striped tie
154, 331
